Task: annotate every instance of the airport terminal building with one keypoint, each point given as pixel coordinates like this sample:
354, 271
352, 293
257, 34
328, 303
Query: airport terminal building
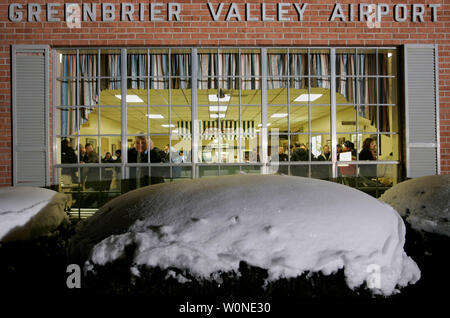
101, 98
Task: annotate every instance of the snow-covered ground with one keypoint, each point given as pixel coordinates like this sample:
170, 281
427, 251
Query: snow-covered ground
287, 225
29, 212
424, 203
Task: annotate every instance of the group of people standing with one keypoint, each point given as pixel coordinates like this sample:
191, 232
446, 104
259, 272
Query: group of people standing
299, 152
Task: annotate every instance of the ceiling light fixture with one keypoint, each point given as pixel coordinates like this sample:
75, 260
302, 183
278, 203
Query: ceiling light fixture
306, 97
131, 98
155, 116
280, 115
218, 108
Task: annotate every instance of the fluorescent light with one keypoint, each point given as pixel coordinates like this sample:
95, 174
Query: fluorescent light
306, 97
175, 131
215, 98
268, 124
155, 116
167, 126
131, 98
216, 115
218, 108
389, 54
281, 115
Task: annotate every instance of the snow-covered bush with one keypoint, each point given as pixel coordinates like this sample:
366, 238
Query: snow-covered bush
29, 212
423, 202
288, 226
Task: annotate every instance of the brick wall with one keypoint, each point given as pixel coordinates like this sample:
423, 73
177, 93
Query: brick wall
197, 28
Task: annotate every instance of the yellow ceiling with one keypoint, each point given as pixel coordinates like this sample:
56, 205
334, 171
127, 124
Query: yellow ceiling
137, 116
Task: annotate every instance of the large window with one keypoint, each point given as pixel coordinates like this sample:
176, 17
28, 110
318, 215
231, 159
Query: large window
126, 118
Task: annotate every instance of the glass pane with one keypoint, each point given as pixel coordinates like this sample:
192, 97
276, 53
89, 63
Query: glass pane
66, 93
346, 118
137, 120
181, 172
387, 88
350, 149
388, 119
110, 63
387, 62
109, 144
366, 91
321, 147
345, 90
180, 93
180, 65
229, 170
66, 150
323, 172
209, 150
88, 121
299, 119
66, 63
91, 147
345, 62
181, 150
277, 119
251, 91
250, 63
67, 121
277, 67
251, 119
251, 145
159, 120
387, 174
110, 93
319, 62
367, 145
68, 179
208, 171
299, 142
367, 62
320, 119
389, 147
230, 149
110, 121
367, 118
137, 65
298, 65
277, 93
159, 95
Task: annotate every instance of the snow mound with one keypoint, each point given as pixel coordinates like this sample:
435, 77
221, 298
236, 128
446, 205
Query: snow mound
287, 225
424, 202
28, 212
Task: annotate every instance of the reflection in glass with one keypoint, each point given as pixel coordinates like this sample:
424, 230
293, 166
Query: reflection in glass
299, 119
366, 91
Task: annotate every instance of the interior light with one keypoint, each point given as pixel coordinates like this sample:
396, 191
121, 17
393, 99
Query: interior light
218, 108
167, 126
389, 54
215, 98
155, 116
281, 115
131, 98
216, 115
306, 97
268, 124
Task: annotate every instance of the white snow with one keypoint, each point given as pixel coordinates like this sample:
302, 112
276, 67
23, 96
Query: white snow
424, 202
29, 212
287, 225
